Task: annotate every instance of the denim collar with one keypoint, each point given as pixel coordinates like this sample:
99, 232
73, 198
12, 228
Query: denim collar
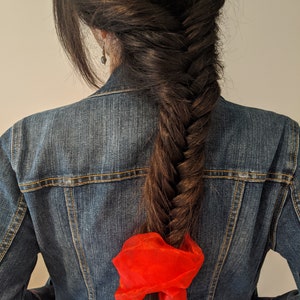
120, 79
123, 79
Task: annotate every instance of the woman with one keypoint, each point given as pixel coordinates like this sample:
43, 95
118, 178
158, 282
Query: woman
156, 150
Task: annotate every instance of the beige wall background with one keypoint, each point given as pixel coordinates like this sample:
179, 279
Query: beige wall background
262, 68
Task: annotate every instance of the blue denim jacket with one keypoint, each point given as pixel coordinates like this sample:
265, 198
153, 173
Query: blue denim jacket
70, 186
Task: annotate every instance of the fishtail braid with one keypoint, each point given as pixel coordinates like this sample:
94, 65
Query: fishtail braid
201, 31
173, 46
158, 50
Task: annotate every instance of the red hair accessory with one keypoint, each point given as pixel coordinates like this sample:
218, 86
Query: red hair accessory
147, 264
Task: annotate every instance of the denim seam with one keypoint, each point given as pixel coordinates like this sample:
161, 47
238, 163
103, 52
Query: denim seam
247, 179
294, 154
145, 169
13, 227
296, 200
230, 229
16, 144
65, 184
79, 184
293, 162
246, 172
242, 175
277, 213
114, 92
85, 176
73, 223
134, 173
11, 144
294, 194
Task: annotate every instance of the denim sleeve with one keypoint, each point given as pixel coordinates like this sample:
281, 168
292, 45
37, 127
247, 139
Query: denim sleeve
288, 228
18, 245
43, 293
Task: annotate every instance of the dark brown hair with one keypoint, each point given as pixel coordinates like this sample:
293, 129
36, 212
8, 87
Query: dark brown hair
174, 45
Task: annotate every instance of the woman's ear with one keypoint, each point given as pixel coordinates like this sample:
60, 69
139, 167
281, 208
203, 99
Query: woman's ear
100, 35
110, 46
103, 33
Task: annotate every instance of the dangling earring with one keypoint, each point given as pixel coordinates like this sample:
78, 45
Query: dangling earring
103, 57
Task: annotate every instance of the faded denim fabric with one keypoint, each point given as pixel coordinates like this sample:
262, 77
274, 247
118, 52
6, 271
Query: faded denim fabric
70, 188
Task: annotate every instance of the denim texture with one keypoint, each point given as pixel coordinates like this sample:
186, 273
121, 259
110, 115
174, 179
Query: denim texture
70, 188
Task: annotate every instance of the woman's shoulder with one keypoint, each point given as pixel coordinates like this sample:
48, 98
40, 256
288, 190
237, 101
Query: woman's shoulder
254, 115
246, 119
248, 138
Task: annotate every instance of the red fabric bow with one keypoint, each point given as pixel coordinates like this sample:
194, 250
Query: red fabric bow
147, 264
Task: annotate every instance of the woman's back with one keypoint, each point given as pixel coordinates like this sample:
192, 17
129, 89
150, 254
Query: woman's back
81, 178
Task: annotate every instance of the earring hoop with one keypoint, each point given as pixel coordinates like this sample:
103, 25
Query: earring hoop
103, 57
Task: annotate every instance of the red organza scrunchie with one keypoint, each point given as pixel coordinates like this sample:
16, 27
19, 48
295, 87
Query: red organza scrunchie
147, 264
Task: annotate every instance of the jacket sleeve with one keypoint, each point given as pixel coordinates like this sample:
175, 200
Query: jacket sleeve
43, 293
18, 245
288, 228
